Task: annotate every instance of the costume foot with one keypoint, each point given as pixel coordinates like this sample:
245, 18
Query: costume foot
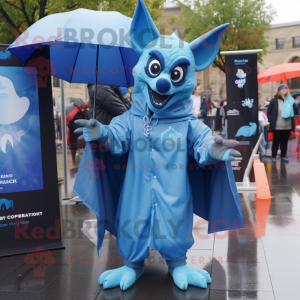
185, 275
124, 277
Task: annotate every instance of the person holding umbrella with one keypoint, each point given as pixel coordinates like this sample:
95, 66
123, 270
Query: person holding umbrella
280, 124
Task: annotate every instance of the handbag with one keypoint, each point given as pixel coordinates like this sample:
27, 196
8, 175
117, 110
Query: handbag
287, 109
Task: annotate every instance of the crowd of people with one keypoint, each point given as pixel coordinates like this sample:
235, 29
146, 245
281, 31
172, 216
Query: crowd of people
203, 108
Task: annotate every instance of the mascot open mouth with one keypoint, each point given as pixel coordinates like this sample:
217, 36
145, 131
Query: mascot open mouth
158, 100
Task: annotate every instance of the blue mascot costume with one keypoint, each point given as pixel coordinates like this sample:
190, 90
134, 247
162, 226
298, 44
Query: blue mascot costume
146, 173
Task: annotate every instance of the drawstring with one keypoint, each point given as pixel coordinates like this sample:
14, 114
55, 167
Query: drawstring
147, 125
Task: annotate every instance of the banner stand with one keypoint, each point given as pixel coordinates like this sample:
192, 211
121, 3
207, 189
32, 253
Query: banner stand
246, 185
242, 112
30, 218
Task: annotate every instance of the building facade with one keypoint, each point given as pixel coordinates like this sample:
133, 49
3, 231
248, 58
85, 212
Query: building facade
284, 47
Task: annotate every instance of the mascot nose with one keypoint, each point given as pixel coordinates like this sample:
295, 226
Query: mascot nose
163, 85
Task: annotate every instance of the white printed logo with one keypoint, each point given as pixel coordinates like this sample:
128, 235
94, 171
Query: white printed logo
242, 78
233, 112
248, 102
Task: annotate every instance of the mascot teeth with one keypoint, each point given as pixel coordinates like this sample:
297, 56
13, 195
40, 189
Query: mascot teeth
157, 99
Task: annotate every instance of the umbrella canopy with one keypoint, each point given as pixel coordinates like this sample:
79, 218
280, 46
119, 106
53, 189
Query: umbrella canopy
78, 40
279, 73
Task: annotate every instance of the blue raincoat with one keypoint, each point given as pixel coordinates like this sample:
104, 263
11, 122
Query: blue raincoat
145, 177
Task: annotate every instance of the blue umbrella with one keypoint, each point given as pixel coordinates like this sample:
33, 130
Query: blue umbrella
86, 46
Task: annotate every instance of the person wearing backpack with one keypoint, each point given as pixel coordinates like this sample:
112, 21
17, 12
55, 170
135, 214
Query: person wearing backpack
281, 117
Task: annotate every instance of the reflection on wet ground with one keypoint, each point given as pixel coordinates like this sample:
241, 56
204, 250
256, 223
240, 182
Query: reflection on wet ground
260, 261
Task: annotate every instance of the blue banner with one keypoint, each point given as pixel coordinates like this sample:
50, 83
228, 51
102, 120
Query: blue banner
20, 140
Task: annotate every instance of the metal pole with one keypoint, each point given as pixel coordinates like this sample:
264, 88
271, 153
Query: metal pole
271, 90
246, 179
64, 135
95, 92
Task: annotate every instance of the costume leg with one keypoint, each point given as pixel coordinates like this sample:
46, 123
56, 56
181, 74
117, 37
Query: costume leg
134, 249
182, 274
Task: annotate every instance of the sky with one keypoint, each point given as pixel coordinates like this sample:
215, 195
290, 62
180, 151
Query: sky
287, 10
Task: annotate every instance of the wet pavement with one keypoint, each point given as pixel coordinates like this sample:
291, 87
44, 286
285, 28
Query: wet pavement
260, 261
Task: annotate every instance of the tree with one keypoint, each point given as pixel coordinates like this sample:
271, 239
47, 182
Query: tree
249, 21
17, 15
127, 7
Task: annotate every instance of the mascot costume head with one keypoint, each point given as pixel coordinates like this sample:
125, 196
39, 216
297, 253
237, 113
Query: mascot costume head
167, 65
156, 141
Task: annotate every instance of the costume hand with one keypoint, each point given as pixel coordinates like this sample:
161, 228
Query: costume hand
90, 130
221, 149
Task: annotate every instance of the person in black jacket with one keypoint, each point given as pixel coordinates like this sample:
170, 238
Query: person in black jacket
296, 96
281, 127
109, 102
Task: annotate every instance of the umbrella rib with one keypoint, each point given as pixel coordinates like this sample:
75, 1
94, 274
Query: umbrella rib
75, 62
123, 65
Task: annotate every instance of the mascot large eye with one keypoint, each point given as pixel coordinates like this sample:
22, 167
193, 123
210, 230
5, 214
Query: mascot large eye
154, 67
177, 74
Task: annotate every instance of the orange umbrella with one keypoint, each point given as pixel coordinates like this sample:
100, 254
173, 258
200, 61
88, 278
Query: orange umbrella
279, 73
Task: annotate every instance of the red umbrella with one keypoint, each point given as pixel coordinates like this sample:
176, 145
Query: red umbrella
279, 73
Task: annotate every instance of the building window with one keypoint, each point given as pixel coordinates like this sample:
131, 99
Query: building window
296, 42
279, 43
56, 82
294, 83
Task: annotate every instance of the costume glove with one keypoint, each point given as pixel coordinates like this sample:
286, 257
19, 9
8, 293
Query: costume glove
90, 130
221, 149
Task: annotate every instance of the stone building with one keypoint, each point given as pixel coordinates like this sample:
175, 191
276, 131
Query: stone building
284, 47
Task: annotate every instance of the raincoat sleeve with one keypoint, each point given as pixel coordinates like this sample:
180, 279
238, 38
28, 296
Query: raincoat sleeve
117, 134
199, 138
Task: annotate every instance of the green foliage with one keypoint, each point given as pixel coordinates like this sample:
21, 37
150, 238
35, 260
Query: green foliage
127, 7
249, 21
18, 15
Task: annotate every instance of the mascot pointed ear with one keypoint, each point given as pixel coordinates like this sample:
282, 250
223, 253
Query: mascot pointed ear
175, 34
143, 30
205, 48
